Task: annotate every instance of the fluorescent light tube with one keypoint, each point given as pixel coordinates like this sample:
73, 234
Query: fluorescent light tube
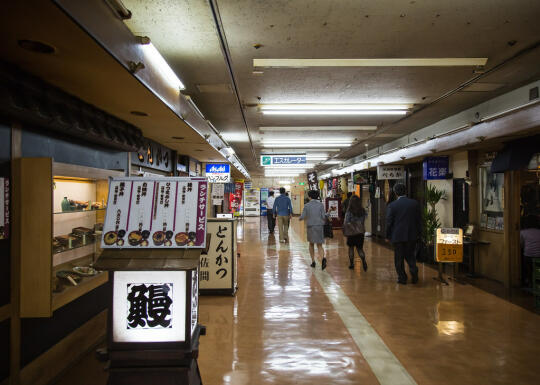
333, 161
284, 181
304, 145
396, 62
318, 128
332, 112
282, 166
307, 141
151, 54
334, 106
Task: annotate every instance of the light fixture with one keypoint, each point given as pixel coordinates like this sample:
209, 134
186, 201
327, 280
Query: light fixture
228, 151
317, 128
284, 181
333, 106
395, 62
293, 166
333, 161
151, 54
235, 137
119, 9
306, 145
334, 112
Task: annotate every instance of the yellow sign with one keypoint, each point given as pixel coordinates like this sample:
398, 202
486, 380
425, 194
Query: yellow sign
449, 245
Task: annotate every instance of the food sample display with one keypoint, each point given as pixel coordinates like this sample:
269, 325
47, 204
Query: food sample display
156, 212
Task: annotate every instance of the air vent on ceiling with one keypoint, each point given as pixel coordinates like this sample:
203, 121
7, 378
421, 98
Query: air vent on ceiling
220, 88
483, 87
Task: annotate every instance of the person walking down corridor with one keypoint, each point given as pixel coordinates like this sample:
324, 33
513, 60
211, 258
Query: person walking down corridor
315, 218
283, 211
403, 227
270, 212
354, 225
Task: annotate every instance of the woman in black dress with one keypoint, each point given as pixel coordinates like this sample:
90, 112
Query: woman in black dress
356, 213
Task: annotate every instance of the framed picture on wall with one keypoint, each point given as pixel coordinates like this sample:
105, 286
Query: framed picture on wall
491, 199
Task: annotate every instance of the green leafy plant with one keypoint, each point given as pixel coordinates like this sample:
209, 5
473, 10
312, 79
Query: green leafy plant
430, 218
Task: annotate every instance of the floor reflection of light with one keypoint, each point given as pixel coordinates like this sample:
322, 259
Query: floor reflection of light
450, 328
281, 313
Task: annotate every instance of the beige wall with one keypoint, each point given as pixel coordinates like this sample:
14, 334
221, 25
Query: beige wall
458, 166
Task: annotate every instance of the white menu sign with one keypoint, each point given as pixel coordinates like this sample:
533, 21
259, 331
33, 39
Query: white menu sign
215, 268
156, 212
390, 172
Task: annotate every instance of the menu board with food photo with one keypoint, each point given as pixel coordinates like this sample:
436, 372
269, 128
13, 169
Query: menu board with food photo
156, 213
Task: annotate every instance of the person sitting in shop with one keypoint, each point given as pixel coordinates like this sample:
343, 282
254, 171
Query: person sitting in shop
315, 218
283, 211
530, 244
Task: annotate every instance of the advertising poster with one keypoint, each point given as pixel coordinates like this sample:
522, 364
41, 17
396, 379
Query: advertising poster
156, 212
237, 198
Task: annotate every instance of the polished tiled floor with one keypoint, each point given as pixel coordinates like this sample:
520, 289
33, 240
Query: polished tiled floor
289, 324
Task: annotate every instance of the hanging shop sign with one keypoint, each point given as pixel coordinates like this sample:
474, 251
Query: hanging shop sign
313, 181
435, 167
390, 172
272, 160
153, 155
218, 173
156, 213
236, 204
217, 269
4, 208
218, 192
247, 185
449, 243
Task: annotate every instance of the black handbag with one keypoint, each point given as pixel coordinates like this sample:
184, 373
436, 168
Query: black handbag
328, 231
353, 228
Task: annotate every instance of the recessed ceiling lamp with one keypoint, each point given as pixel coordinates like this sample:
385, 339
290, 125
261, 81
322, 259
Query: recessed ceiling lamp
401, 62
334, 109
152, 55
319, 128
36, 46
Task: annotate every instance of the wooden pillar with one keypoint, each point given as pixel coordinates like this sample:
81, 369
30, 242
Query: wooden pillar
15, 323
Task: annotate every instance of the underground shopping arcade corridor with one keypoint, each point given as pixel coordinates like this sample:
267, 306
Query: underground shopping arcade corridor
291, 324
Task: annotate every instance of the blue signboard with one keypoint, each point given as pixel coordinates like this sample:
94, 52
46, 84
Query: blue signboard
218, 168
436, 167
271, 160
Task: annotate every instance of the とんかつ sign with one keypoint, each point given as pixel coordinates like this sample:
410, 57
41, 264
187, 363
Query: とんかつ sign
218, 173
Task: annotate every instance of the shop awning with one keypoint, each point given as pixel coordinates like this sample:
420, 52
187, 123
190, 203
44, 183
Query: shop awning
516, 155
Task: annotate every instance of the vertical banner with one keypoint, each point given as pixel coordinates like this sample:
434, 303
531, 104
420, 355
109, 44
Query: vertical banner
264, 197
313, 182
156, 212
4, 208
237, 200
216, 268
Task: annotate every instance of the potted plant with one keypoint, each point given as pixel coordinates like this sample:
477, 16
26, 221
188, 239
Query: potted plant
430, 220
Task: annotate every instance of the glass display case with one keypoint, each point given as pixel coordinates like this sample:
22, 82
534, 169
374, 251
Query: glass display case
62, 210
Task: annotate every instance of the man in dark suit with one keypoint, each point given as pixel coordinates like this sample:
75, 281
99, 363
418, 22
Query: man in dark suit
403, 226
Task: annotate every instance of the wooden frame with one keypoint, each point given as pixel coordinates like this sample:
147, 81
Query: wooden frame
33, 182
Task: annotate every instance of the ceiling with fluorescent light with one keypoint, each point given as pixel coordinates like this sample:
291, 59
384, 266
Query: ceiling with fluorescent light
185, 32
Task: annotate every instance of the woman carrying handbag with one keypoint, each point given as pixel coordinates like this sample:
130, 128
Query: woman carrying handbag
353, 229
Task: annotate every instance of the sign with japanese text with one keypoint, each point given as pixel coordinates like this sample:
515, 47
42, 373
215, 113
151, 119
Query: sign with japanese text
435, 167
237, 197
156, 212
4, 208
313, 182
218, 192
218, 173
216, 267
273, 160
390, 172
149, 306
449, 243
